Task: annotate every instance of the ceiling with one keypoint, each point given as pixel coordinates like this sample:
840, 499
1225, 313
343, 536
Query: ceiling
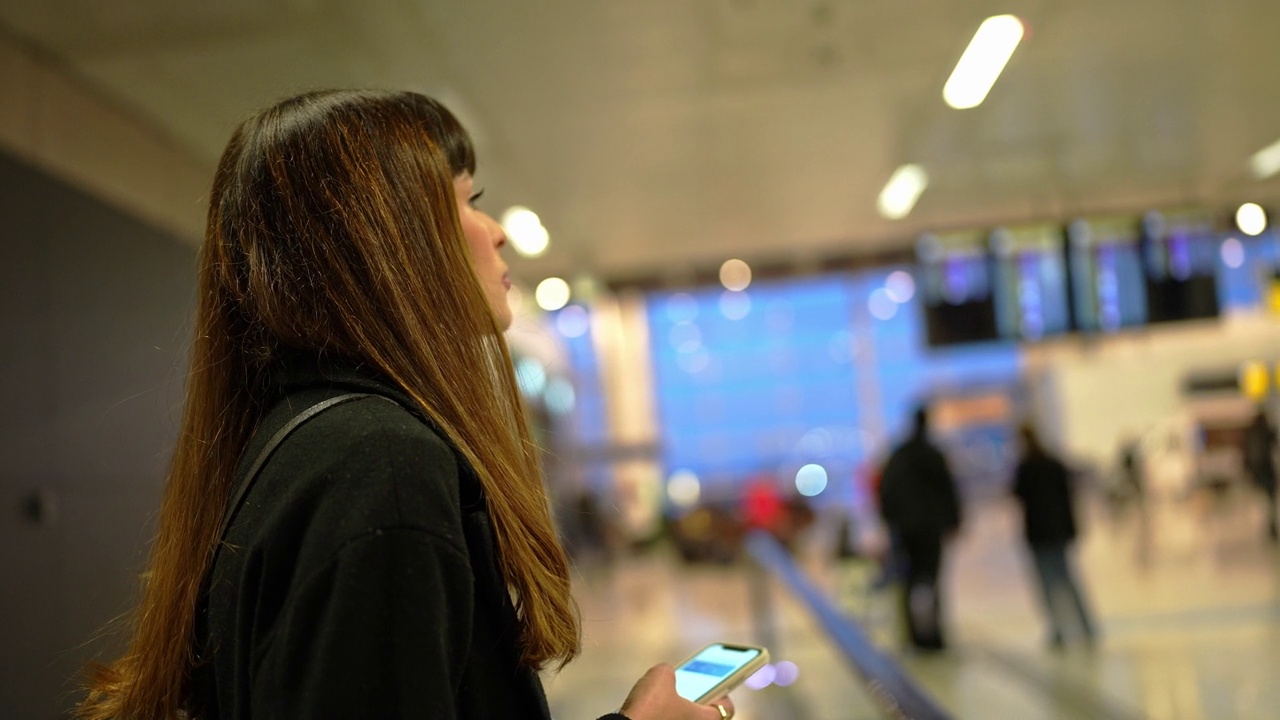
654, 136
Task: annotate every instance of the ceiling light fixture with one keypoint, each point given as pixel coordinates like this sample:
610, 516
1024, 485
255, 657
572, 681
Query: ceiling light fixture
735, 275
902, 191
1266, 162
982, 61
552, 294
525, 231
1251, 219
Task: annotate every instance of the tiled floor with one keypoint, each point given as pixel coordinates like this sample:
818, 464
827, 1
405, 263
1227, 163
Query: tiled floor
1186, 592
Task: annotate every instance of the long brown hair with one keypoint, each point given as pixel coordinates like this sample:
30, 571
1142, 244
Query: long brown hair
333, 228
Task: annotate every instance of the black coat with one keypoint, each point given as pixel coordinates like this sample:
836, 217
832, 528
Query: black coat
917, 492
1259, 446
1043, 486
361, 577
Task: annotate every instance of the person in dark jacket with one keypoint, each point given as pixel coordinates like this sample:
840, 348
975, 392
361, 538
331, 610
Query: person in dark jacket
1260, 463
1042, 486
919, 503
394, 556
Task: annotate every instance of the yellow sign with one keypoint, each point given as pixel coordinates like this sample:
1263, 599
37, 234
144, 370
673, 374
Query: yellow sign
1254, 380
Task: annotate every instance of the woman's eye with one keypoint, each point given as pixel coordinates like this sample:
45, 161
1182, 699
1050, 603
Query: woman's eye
475, 198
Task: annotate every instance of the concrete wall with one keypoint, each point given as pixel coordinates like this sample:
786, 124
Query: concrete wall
94, 315
100, 213
54, 121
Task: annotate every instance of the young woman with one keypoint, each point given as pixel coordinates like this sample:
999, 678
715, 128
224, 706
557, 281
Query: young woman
394, 557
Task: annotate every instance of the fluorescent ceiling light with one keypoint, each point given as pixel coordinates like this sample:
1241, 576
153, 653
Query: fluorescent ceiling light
902, 191
1266, 162
982, 61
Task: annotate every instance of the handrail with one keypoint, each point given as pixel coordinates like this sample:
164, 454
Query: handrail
897, 695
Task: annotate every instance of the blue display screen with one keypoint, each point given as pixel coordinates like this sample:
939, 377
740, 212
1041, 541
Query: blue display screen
704, 671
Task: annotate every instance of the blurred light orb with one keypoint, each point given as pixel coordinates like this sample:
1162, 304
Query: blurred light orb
811, 480
1251, 219
787, 673
685, 337
735, 305
881, 305
762, 678
684, 489
560, 396
1232, 253
531, 377
525, 231
552, 294
573, 321
900, 286
735, 275
694, 362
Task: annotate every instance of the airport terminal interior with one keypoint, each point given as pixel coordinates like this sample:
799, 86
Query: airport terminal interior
752, 245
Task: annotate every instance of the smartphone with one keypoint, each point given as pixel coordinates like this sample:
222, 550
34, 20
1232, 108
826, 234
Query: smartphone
717, 669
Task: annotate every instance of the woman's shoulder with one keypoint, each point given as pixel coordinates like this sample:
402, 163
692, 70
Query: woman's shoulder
365, 465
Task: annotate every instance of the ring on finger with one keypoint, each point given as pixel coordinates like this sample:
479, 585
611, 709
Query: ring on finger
724, 714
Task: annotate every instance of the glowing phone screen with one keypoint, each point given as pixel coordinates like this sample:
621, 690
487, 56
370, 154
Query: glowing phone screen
708, 668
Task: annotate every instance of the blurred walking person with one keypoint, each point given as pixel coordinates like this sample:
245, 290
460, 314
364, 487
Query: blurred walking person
1259, 461
919, 503
1043, 486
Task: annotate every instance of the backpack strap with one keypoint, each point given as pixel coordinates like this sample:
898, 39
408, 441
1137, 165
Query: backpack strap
271, 446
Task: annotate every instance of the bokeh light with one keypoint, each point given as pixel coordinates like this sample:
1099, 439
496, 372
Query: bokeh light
786, 673
1251, 219
881, 305
525, 231
560, 396
685, 337
552, 294
735, 305
1232, 253
573, 321
684, 489
762, 678
531, 377
735, 275
811, 480
900, 286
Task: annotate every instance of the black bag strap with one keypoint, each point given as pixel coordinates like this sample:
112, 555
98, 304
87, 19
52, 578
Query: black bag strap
271, 446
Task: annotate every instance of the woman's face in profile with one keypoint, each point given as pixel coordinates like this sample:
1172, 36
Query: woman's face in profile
485, 237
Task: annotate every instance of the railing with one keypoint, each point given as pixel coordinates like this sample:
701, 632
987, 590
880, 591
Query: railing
892, 689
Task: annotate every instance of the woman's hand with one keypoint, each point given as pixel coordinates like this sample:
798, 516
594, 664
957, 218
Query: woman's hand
654, 698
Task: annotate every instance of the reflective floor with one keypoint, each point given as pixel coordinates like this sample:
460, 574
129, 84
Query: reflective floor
1186, 592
